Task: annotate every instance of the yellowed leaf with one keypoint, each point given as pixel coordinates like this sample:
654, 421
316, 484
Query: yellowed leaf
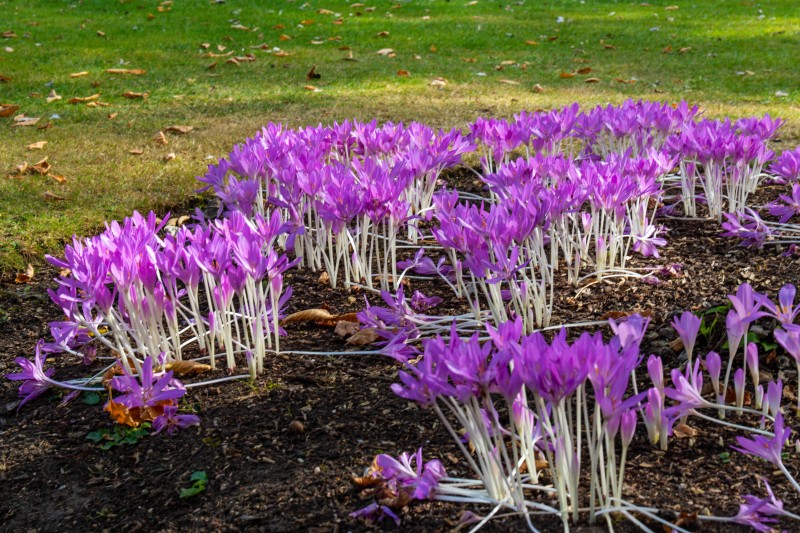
469, 59
21, 121
179, 130
584, 70
42, 167
5, 79
532, 43
566, 75
84, 99
324, 278
134, 96
160, 138
25, 277
382, 34
239, 27
433, 49
310, 88
58, 177
307, 22
438, 82
281, 53
671, 8
346, 328
324, 11
53, 96
308, 315
684, 50
101, 33
684, 431
284, 37
36, 146
232, 61
136, 151
131, 71
79, 74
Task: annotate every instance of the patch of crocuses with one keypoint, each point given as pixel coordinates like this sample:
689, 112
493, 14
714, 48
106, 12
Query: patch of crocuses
544, 423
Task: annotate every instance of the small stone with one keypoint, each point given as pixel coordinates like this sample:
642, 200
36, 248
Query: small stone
296, 427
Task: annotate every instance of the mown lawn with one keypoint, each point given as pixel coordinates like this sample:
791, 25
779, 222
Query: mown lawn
731, 58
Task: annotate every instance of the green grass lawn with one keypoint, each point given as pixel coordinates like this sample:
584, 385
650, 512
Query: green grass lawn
729, 57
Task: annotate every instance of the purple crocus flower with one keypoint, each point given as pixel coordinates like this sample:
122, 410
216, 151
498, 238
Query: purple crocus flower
752, 515
374, 513
786, 311
143, 391
172, 421
36, 379
769, 449
687, 326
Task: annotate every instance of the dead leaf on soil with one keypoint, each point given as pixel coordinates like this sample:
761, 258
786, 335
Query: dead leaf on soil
120, 414
532, 43
112, 116
133, 96
684, 431
284, 37
676, 345
131, 71
469, 60
42, 167
382, 34
160, 138
25, 277
363, 337
36, 146
584, 70
324, 278
187, 367
345, 328
239, 27
307, 316
58, 177
5, 79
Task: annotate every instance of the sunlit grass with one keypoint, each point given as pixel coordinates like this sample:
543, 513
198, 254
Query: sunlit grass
732, 64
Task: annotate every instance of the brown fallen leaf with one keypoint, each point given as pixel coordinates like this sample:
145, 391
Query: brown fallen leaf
83, 100
345, 328
684, 50
627, 82
324, 278
584, 70
5, 79
671, 8
666, 50
469, 60
324, 11
50, 197
313, 74
6, 110
211, 66
684, 431
338, 21
8, 34
433, 49
112, 116
538, 88
136, 151
403, 73
307, 316
329, 323
245, 58
36, 146
21, 121
232, 61
310, 88
58, 177
182, 368
133, 96
131, 71
384, 51
79, 74
566, 75
438, 82
676, 345
592, 80
42, 167
179, 130
532, 43
262, 46
609, 47
25, 277
212, 54
169, 157
160, 138
363, 337
53, 96
382, 34
281, 53
240, 27
284, 37
508, 82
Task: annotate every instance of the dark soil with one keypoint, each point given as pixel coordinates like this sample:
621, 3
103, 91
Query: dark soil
265, 475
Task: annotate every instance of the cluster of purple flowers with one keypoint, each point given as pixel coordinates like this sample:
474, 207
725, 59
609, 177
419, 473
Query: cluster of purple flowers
347, 190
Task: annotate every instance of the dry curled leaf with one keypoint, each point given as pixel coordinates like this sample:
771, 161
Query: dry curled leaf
50, 197
133, 96
345, 328
684, 431
182, 368
169, 157
160, 138
324, 278
284, 37
21, 121
131, 71
24, 277
592, 80
179, 130
382, 34
52, 96
120, 414
566, 75
469, 60
509, 82
5, 79
403, 73
83, 99
438, 82
136, 151
363, 337
532, 43
42, 167
58, 177
112, 116
584, 70
538, 88
313, 74
307, 316
6, 110
239, 27
310, 88
79, 74
384, 51
36, 146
